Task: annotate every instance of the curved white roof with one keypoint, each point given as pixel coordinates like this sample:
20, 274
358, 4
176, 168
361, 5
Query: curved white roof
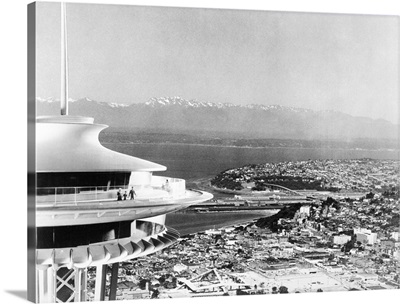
71, 144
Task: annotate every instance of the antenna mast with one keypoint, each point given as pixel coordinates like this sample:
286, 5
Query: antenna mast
64, 61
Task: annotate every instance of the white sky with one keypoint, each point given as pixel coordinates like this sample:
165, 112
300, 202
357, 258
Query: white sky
128, 54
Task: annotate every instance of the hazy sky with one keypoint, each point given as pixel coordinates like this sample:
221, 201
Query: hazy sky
128, 54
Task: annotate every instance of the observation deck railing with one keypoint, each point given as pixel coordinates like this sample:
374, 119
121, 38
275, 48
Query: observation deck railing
160, 189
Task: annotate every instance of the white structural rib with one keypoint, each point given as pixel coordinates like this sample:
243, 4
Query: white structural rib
106, 253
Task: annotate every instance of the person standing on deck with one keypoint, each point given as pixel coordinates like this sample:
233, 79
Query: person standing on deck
119, 195
166, 185
132, 194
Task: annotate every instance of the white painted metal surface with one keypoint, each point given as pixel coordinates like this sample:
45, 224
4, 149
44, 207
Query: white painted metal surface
71, 144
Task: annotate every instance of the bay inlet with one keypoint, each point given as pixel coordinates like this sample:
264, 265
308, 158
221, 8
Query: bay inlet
197, 164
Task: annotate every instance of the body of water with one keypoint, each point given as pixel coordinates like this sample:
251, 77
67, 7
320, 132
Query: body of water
197, 161
190, 222
193, 162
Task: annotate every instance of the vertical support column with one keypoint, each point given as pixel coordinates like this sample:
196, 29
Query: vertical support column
114, 281
41, 285
78, 285
100, 287
84, 285
46, 285
52, 283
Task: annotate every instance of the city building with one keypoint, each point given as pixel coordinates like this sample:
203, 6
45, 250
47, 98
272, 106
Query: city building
341, 239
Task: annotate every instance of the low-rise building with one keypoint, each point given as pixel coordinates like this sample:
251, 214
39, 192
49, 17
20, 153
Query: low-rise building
341, 239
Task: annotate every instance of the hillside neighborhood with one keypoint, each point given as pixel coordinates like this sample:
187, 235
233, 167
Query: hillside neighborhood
348, 239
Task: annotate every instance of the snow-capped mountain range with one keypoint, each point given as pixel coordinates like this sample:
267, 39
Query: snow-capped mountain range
178, 101
177, 114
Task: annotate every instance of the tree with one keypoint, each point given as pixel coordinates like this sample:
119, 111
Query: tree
274, 290
283, 289
155, 294
369, 195
319, 290
240, 292
348, 246
162, 279
142, 284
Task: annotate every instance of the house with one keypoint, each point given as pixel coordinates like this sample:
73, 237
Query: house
341, 239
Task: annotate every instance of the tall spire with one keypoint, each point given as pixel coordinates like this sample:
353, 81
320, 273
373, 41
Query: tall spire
64, 61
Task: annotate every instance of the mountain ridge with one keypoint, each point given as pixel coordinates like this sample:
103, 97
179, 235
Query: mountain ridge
259, 121
179, 101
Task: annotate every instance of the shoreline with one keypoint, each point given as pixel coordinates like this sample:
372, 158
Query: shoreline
192, 223
256, 147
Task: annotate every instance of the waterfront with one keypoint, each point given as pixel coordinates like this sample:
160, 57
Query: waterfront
309, 252
199, 161
190, 222
339, 241
350, 244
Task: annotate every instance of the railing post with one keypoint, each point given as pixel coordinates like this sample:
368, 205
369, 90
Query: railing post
75, 190
55, 196
95, 195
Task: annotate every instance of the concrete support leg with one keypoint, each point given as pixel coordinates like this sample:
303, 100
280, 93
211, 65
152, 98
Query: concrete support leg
84, 285
41, 285
114, 281
79, 285
46, 285
52, 283
100, 287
